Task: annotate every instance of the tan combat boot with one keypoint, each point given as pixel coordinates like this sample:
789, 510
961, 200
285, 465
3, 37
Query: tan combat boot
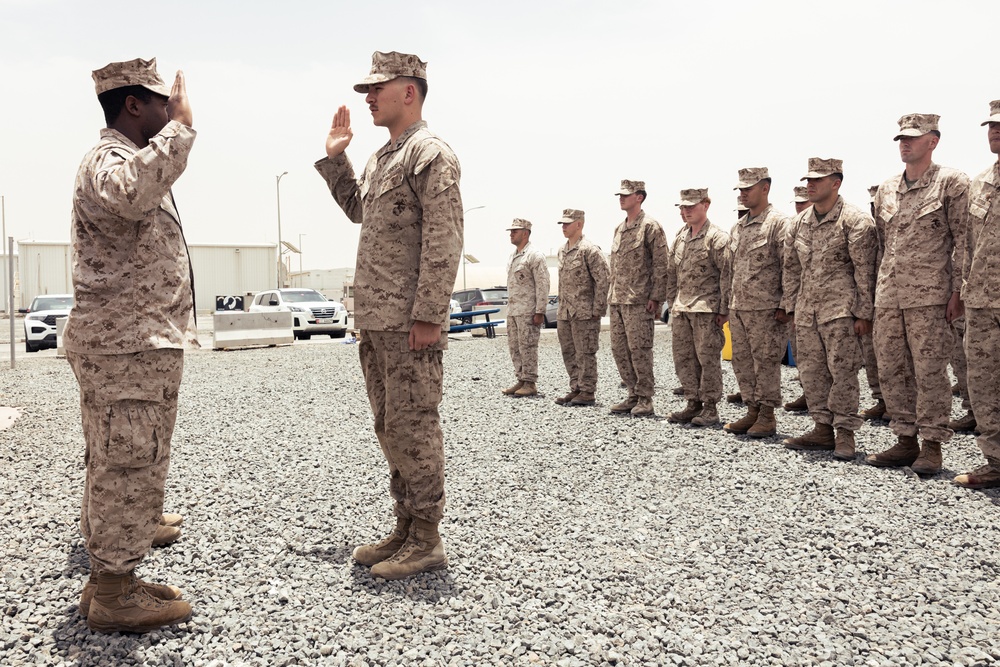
564, 400
930, 459
423, 551
527, 389
845, 446
708, 416
903, 453
156, 590
626, 405
171, 520
766, 424
818, 439
983, 477
743, 424
165, 535
511, 390
687, 414
583, 398
120, 604
798, 405
966, 424
369, 554
875, 412
643, 407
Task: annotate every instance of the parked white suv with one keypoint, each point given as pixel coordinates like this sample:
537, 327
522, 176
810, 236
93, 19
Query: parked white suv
311, 312
40, 320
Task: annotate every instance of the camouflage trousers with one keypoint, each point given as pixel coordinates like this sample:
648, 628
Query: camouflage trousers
129, 405
522, 340
697, 344
579, 340
404, 389
982, 345
871, 365
632, 347
790, 332
829, 360
959, 365
758, 346
913, 346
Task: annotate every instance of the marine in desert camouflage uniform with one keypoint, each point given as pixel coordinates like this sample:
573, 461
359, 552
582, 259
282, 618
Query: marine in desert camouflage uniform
698, 285
527, 298
921, 217
877, 411
124, 340
409, 206
981, 294
638, 287
801, 202
757, 324
829, 286
583, 300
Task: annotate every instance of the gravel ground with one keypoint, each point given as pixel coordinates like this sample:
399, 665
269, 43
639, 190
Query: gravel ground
575, 537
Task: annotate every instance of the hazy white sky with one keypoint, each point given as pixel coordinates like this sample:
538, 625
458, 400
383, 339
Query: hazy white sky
547, 104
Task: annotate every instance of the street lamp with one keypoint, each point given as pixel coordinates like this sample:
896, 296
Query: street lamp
465, 257
277, 187
300, 251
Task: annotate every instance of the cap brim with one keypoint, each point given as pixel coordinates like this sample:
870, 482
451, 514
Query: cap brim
815, 174
622, 192
741, 186
159, 90
370, 81
564, 221
687, 202
992, 119
911, 132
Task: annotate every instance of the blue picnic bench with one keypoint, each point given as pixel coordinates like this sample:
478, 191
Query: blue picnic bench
468, 324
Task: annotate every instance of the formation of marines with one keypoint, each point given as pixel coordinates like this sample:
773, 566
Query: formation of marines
884, 287
830, 278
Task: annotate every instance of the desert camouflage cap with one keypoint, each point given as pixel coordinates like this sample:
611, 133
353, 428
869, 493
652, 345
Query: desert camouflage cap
631, 187
994, 113
692, 196
389, 66
136, 72
917, 125
570, 215
751, 176
519, 223
820, 167
872, 189
800, 194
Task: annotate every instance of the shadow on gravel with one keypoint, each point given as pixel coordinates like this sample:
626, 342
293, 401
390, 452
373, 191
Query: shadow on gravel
430, 587
337, 554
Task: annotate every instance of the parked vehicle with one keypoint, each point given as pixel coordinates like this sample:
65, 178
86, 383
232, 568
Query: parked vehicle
40, 320
476, 298
312, 313
552, 312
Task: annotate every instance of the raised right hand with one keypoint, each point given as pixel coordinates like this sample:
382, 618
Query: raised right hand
178, 104
340, 133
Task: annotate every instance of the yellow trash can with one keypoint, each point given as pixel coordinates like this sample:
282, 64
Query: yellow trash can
727, 349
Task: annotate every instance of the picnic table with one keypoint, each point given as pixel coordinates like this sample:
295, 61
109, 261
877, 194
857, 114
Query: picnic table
467, 323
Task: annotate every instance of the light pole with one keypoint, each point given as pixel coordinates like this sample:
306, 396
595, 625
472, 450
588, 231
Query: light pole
465, 258
300, 251
3, 214
277, 187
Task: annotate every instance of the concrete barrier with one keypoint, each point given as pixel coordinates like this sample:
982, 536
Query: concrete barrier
60, 328
235, 329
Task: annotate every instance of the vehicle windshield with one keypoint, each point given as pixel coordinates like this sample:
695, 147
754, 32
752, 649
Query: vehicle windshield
51, 303
494, 294
299, 297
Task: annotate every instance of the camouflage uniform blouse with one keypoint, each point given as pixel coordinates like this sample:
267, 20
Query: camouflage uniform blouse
919, 228
638, 262
583, 281
830, 265
409, 207
982, 259
131, 270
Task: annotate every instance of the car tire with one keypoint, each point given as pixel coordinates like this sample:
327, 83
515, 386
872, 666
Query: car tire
28, 347
339, 334
304, 336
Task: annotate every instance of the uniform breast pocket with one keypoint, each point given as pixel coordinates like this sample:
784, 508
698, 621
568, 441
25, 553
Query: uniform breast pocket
932, 210
979, 209
802, 246
393, 179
